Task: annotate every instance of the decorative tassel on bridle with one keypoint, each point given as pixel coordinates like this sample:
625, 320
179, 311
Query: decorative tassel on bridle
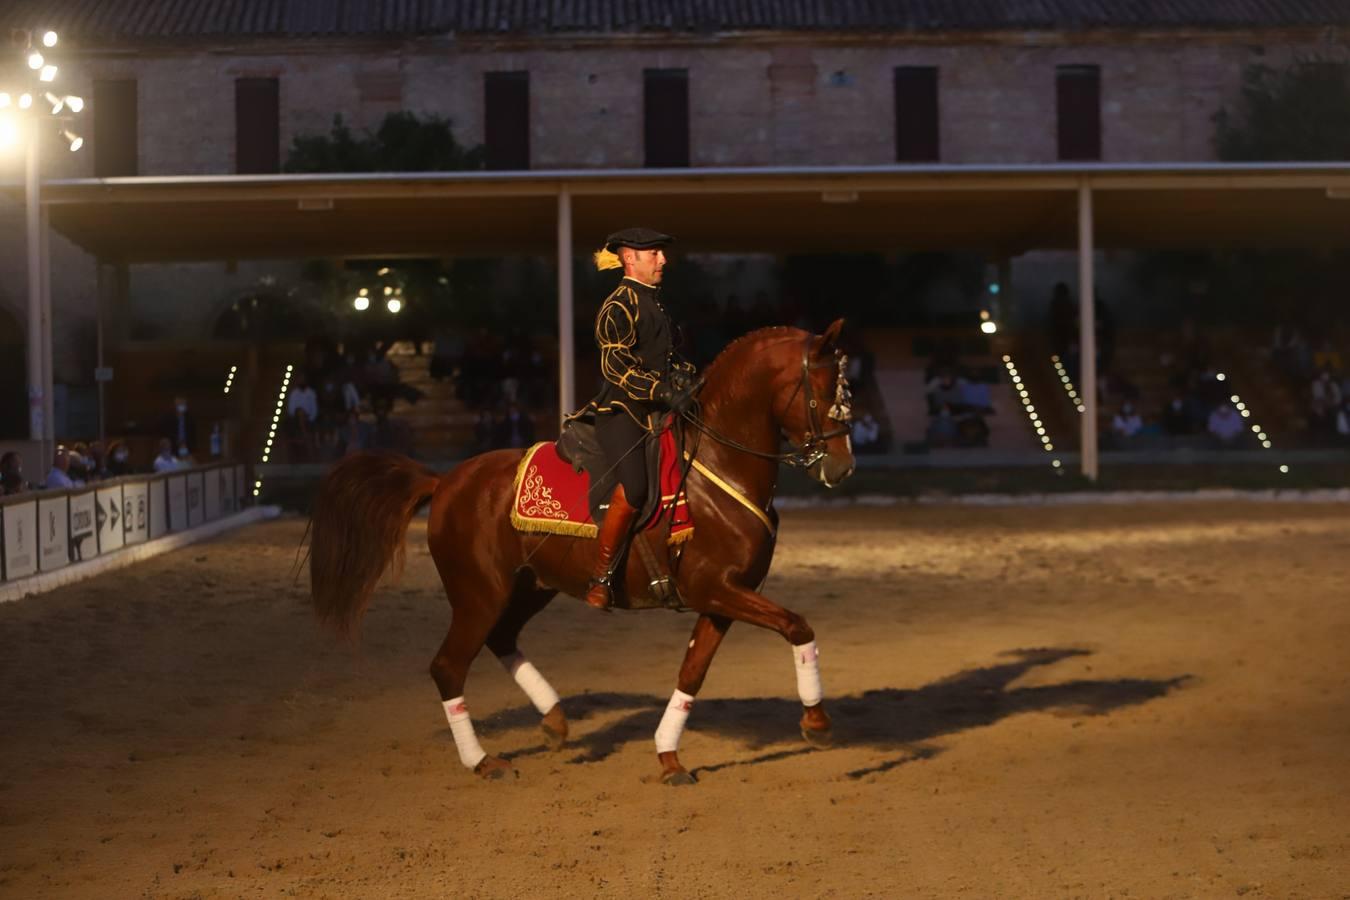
841, 410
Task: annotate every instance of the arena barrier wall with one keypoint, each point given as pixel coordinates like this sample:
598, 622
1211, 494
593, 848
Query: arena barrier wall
45, 531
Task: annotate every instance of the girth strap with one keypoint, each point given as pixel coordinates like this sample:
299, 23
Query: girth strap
735, 494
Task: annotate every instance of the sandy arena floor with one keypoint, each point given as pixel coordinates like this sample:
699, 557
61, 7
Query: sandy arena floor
1145, 701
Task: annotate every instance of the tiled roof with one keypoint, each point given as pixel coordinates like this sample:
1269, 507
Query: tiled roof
119, 21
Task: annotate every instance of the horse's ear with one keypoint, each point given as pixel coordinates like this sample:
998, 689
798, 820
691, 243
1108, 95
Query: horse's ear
827, 340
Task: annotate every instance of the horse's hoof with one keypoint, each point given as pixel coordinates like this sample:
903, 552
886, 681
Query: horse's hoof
554, 727
677, 778
493, 769
819, 739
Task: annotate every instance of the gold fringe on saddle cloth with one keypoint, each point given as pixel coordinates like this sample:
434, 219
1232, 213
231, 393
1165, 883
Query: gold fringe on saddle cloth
553, 519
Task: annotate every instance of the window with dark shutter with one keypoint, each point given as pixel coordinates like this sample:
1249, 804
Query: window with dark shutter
916, 114
115, 128
257, 126
1078, 92
506, 120
665, 118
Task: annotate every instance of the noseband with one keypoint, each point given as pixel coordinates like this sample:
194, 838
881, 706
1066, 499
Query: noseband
813, 447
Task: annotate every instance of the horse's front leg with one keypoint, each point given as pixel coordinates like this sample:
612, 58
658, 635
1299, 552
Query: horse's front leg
707, 636
744, 605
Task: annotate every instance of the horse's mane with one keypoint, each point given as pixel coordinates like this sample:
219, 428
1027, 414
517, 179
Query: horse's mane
758, 335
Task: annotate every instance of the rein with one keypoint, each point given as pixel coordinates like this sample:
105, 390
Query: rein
813, 449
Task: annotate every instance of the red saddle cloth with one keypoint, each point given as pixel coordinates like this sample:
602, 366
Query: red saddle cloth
551, 497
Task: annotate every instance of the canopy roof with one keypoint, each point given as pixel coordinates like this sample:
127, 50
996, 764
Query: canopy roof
996, 209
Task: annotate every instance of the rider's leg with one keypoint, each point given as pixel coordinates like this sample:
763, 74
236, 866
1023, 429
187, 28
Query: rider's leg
622, 440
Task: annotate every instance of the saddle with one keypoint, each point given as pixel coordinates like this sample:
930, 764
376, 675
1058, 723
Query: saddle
564, 488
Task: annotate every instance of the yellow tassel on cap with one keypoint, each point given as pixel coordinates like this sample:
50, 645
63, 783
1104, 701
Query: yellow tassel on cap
604, 259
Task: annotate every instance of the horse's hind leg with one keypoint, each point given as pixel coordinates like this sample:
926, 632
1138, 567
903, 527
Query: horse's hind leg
469, 628
526, 602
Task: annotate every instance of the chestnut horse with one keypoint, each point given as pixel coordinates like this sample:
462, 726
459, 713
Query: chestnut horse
770, 384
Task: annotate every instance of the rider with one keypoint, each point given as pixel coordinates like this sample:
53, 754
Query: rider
642, 381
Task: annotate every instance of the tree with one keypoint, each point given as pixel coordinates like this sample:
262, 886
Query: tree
402, 143
1301, 112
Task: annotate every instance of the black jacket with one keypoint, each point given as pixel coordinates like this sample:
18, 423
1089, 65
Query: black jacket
637, 350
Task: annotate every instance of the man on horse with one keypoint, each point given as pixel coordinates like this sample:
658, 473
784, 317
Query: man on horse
642, 381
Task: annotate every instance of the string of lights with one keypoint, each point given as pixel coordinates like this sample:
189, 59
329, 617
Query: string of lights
276, 423
229, 379
1037, 423
1067, 384
1240, 405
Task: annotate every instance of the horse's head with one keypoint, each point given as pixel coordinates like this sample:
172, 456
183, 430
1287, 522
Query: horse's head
812, 405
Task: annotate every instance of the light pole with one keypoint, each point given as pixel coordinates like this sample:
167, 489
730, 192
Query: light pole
25, 112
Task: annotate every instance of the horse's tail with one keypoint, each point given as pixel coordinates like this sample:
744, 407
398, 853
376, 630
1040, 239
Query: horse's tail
359, 525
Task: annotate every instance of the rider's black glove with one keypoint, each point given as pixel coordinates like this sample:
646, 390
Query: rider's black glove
681, 380
677, 400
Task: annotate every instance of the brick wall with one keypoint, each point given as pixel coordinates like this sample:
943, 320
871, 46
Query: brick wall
755, 101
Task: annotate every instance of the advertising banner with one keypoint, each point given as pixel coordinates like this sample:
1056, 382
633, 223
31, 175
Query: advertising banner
53, 533
21, 546
83, 527
108, 518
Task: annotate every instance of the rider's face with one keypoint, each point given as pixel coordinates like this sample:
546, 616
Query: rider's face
644, 265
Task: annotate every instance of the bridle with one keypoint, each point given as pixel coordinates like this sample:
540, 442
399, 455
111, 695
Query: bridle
813, 447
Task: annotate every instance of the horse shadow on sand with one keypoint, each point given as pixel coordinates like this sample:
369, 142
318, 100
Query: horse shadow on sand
886, 719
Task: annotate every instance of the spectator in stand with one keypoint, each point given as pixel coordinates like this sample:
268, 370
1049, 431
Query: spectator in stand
302, 414
332, 404
1177, 417
1326, 401
942, 428
1343, 422
946, 389
119, 460
79, 470
355, 434
165, 461
516, 429
98, 461
866, 433
1226, 425
179, 426
1126, 424
185, 458
389, 433
11, 474
59, 476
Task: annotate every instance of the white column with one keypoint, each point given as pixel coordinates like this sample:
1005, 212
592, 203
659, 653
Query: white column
45, 270
566, 348
1087, 333
103, 274
32, 204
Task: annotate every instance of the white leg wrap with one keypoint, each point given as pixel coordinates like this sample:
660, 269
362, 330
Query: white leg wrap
540, 692
672, 723
807, 660
457, 712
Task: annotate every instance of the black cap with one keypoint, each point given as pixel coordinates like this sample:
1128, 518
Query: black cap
637, 239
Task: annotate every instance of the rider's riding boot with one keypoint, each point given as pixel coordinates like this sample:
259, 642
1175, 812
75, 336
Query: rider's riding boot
613, 538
